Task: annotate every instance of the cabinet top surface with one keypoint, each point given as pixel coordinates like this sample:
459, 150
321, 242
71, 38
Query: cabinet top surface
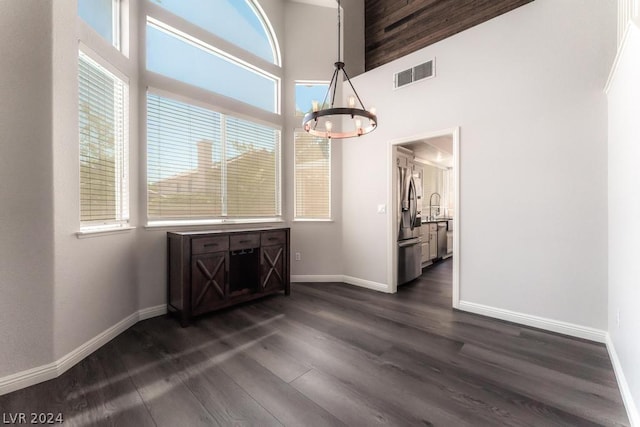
429, 221
225, 231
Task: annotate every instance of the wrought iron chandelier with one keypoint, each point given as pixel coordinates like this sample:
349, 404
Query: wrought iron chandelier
340, 122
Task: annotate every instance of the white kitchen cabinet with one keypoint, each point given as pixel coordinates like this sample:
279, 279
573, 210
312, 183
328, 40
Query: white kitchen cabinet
433, 240
433, 245
424, 235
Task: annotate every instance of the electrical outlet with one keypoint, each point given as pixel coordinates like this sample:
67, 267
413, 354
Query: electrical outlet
298, 257
382, 209
618, 317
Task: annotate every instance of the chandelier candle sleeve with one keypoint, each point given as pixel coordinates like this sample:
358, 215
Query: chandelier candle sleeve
339, 122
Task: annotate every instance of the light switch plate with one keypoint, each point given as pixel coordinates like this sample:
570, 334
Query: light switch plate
382, 209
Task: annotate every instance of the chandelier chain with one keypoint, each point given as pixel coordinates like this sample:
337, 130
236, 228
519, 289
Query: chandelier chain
339, 34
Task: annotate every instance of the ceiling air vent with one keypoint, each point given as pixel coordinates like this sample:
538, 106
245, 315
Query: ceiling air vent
419, 72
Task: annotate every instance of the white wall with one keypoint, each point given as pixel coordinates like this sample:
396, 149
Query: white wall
526, 90
26, 192
624, 215
95, 281
310, 51
353, 31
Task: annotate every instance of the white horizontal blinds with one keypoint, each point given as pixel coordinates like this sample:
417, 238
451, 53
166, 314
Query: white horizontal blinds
184, 152
103, 149
252, 156
312, 177
206, 165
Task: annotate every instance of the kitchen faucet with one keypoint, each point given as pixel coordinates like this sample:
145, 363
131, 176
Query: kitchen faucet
432, 205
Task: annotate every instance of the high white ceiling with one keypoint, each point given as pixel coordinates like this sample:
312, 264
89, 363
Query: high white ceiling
438, 150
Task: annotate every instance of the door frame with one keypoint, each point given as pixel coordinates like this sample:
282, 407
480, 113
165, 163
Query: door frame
392, 258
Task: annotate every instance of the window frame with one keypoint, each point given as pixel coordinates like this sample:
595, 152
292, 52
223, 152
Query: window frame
184, 92
113, 57
116, 25
123, 181
253, 5
223, 218
296, 218
221, 54
116, 9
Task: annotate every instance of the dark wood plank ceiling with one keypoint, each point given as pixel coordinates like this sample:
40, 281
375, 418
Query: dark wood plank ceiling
395, 28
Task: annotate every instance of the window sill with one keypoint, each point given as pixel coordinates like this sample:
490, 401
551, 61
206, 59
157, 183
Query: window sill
154, 225
312, 220
95, 232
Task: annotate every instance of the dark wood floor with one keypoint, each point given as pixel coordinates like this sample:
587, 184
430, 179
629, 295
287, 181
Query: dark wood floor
332, 354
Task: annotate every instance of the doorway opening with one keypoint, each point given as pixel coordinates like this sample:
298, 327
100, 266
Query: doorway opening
425, 199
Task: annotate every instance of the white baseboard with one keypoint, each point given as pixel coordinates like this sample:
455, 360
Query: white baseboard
316, 278
148, 313
565, 328
72, 358
47, 372
338, 278
625, 391
27, 378
381, 287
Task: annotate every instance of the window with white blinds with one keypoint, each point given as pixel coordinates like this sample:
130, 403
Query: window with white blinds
205, 165
312, 177
104, 195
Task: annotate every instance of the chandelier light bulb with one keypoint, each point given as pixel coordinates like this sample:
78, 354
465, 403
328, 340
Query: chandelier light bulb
314, 104
351, 101
328, 125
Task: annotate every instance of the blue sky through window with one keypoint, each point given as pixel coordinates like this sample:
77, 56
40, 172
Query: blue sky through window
99, 15
180, 60
307, 93
232, 20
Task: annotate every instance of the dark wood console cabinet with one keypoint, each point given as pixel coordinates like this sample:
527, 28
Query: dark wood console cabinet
207, 271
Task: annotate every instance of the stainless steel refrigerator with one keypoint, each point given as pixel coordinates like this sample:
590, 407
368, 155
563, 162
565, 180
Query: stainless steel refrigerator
408, 207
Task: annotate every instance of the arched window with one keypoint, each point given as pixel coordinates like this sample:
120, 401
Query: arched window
238, 21
213, 112
193, 44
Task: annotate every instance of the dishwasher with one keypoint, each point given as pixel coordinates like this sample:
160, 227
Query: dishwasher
442, 240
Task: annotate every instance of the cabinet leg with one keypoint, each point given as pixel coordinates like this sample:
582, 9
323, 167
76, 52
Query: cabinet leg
184, 321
